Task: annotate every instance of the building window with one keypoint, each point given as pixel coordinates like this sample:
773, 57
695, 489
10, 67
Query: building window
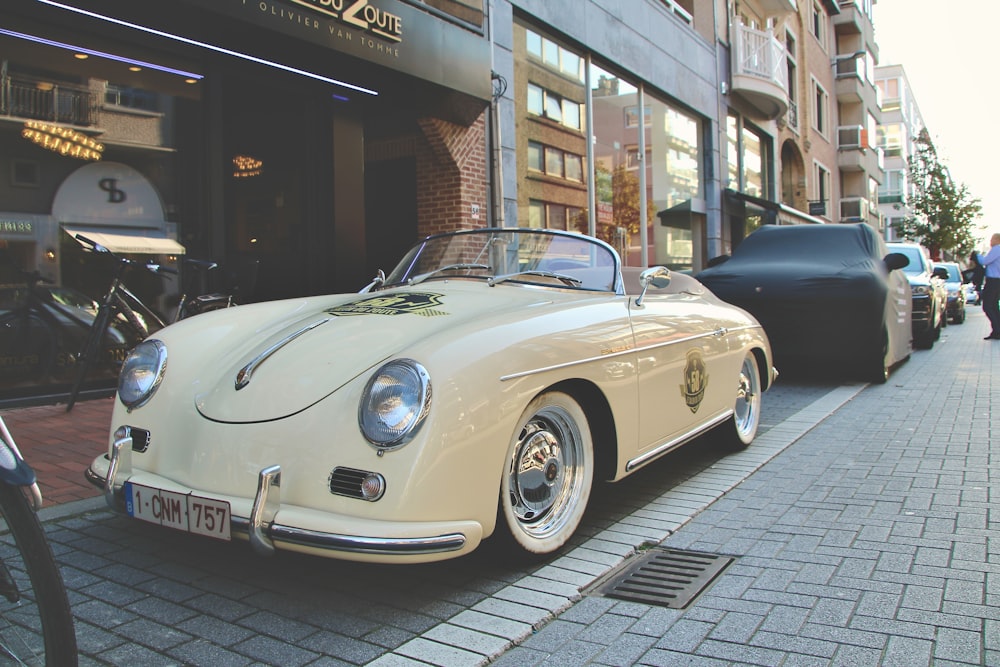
753, 163
791, 62
819, 24
821, 185
554, 56
574, 168
632, 116
893, 190
535, 156
554, 162
890, 139
821, 105
545, 103
536, 214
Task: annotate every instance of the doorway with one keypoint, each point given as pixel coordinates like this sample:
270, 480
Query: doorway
278, 192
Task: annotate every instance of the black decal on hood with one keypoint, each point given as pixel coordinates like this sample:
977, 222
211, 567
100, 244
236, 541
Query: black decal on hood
412, 303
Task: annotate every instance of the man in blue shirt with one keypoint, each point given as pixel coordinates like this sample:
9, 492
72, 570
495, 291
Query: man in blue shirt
991, 285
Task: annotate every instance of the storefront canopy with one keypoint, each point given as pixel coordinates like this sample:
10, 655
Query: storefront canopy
128, 241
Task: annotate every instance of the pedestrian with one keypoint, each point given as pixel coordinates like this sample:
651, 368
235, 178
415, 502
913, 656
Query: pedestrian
974, 276
991, 284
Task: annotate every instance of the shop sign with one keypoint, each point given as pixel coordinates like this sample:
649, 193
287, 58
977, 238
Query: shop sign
360, 14
387, 32
19, 227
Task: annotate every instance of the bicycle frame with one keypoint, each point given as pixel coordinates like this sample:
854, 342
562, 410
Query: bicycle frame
13, 470
118, 301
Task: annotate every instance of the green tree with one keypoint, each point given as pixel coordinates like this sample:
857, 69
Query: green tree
943, 211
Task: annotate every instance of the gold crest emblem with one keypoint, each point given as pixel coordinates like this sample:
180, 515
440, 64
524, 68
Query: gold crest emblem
695, 379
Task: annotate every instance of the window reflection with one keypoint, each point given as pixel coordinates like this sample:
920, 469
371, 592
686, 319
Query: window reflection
659, 187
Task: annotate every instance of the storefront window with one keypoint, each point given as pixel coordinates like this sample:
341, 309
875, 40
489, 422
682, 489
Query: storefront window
674, 181
618, 191
555, 173
732, 153
753, 164
97, 144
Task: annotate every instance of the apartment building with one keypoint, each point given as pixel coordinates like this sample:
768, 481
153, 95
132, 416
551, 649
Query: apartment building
901, 125
860, 158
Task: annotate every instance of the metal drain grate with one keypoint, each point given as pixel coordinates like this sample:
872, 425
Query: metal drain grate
666, 577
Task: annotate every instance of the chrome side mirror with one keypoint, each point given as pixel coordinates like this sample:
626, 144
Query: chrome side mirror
657, 276
376, 282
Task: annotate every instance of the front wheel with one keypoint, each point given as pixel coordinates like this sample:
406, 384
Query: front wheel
36, 625
746, 410
547, 477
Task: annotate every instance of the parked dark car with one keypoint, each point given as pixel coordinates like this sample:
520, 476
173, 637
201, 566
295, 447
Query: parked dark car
929, 295
830, 297
954, 286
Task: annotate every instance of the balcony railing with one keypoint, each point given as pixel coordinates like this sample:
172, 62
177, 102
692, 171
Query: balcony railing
760, 70
891, 196
37, 99
762, 55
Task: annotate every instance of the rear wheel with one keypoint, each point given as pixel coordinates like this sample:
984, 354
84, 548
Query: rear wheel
547, 476
746, 411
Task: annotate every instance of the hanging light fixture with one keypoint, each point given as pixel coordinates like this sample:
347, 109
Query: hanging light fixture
245, 166
63, 140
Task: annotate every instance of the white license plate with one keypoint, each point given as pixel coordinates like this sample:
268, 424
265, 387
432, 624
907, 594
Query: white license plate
183, 511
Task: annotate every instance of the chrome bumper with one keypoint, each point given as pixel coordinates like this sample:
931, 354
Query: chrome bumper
260, 527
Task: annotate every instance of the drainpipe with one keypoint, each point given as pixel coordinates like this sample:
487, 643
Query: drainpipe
495, 146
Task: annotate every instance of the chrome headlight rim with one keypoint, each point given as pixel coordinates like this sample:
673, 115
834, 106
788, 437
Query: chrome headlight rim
397, 380
136, 394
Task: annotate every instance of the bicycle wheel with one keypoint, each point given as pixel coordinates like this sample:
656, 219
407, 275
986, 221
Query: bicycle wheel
36, 624
90, 352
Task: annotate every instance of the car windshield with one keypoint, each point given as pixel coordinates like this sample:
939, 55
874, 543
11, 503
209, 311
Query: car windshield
537, 257
954, 275
918, 264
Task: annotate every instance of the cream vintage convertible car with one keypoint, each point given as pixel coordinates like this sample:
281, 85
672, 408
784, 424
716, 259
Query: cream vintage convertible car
479, 389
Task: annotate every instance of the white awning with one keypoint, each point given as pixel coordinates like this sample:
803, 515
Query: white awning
125, 241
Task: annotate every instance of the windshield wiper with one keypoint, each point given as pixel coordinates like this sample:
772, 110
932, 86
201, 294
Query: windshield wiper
569, 280
415, 280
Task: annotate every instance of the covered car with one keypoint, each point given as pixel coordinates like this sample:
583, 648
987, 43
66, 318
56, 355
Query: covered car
829, 296
478, 389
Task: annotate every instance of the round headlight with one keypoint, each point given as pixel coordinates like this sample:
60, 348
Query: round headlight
395, 402
141, 373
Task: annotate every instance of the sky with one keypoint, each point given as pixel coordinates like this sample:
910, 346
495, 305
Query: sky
948, 50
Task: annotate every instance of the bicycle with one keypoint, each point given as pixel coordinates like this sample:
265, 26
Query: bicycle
36, 623
188, 306
119, 303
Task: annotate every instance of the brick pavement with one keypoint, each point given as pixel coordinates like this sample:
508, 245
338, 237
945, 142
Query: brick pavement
874, 540
60, 445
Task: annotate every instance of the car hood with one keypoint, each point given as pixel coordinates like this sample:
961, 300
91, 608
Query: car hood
316, 346
791, 279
